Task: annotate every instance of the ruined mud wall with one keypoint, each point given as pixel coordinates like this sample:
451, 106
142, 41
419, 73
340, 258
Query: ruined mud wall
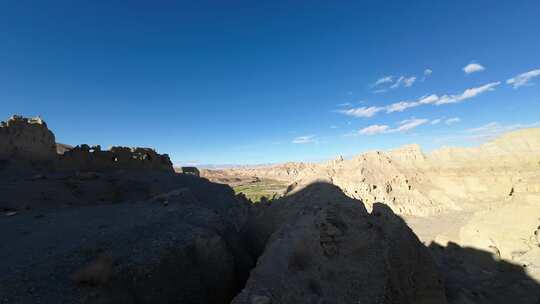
29, 139
26, 139
84, 157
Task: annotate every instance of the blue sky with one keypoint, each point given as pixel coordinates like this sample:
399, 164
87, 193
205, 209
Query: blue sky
245, 82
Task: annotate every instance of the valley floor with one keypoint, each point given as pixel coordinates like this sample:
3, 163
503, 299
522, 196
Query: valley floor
438, 228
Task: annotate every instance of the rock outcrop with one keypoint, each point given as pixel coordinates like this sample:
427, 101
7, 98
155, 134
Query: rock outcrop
509, 231
26, 139
320, 246
482, 277
88, 158
131, 230
29, 139
183, 250
36, 176
482, 204
414, 183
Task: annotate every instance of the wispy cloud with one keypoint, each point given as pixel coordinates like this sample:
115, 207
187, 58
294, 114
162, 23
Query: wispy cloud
383, 80
494, 129
409, 81
440, 100
453, 120
485, 128
410, 124
427, 73
447, 121
400, 106
307, 139
403, 81
523, 79
385, 83
467, 94
374, 129
361, 112
404, 105
402, 126
433, 99
473, 68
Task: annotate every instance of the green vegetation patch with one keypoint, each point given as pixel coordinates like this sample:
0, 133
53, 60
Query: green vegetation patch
255, 190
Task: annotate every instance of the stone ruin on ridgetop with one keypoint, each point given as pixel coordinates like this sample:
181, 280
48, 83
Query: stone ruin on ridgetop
85, 157
190, 170
29, 139
26, 139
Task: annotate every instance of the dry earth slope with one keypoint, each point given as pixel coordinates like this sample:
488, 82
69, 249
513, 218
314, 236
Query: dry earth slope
486, 197
414, 183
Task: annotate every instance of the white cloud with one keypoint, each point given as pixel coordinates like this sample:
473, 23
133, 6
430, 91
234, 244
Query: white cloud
405, 81
445, 99
333, 127
473, 68
383, 80
409, 81
427, 73
410, 124
403, 126
403, 105
307, 139
384, 83
523, 79
397, 83
428, 99
362, 111
494, 129
453, 120
374, 129
487, 127
432, 99
436, 121
400, 106
345, 104
467, 94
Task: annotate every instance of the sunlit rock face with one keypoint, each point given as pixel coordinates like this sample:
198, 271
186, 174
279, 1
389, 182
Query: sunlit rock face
412, 182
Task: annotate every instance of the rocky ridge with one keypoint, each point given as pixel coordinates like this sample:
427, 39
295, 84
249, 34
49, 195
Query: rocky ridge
414, 183
321, 246
120, 226
26, 138
481, 205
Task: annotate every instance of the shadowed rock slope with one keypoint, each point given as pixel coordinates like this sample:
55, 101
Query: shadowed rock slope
116, 226
320, 246
185, 248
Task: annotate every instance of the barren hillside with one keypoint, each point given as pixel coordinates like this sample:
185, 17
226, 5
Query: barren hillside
486, 197
415, 183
